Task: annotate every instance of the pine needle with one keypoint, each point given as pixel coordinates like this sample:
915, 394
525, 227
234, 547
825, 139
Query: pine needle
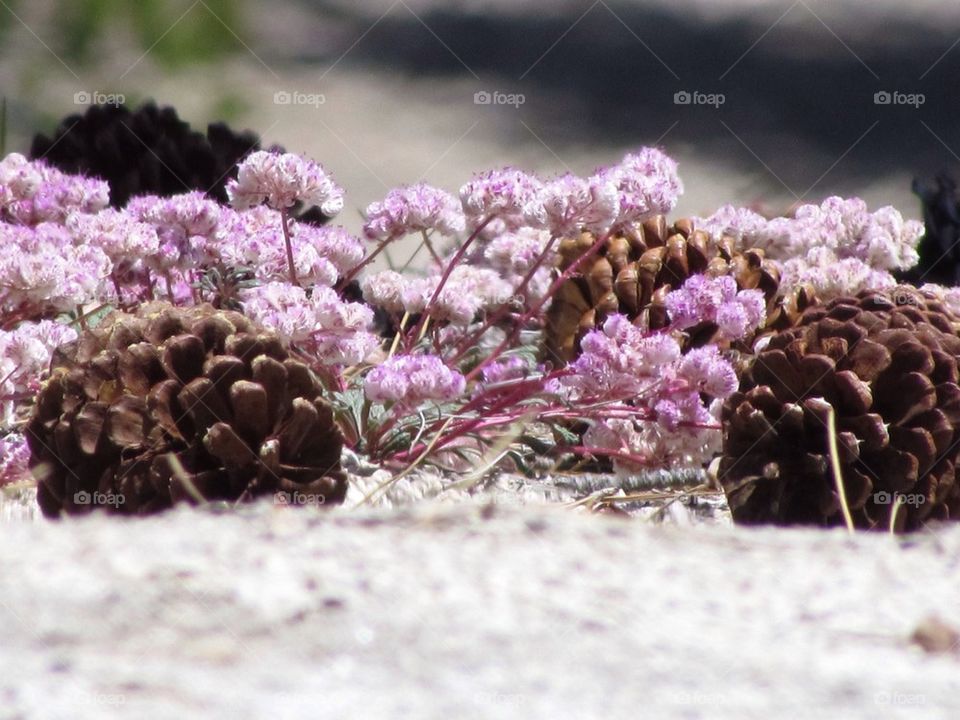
835, 463
184, 477
396, 338
893, 514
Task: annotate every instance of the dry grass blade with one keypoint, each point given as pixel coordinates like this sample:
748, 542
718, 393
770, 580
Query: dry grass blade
835, 464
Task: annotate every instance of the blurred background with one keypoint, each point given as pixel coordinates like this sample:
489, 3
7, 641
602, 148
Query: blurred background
767, 103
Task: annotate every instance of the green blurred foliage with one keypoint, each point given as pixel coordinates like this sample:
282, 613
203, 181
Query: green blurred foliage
176, 32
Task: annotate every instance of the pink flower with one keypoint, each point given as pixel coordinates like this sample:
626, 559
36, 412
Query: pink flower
337, 332
506, 192
882, 240
706, 371
254, 238
647, 182
412, 379
31, 192
14, 459
412, 209
280, 180
571, 204
25, 354
716, 300
42, 268
116, 233
385, 290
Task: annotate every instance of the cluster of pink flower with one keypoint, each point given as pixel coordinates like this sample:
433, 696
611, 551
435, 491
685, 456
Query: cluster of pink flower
670, 421
33, 192
282, 179
486, 286
25, 354
838, 247
413, 379
703, 299
335, 332
14, 458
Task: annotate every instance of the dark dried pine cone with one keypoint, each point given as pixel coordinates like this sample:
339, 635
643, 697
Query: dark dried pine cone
938, 249
887, 365
633, 273
180, 404
147, 151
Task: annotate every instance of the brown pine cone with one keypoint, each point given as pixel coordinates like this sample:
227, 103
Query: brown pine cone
887, 365
178, 404
635, 270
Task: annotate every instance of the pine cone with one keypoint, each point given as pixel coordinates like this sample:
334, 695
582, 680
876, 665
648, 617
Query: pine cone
177, 404
148, 151
634, 271
886, 363
938, 249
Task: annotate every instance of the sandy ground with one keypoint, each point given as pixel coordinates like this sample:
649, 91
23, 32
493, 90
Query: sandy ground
466, 612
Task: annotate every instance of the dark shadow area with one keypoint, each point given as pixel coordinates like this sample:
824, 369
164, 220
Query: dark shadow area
798, 101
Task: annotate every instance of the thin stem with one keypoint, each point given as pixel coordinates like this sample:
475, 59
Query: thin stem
416, 330
396, 338
468, 342
430, 248
363, 263
116, 286
563, 277
284, 223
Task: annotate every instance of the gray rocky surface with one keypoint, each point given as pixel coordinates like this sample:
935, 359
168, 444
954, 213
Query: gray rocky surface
467, 611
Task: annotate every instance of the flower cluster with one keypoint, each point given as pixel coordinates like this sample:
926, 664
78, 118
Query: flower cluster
281, 180
43, 269
702, 299
254, 238
185, 224
468, 291
335, 331
647, 182
14, 459
507, 193
839, 246
641, 185
32, 192
572, 203
459, 334
413, 379
25, 354
623, 363
413, 209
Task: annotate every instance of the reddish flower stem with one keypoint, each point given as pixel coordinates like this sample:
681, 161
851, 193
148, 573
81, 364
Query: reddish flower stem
563, 277
468, 342
363, 263
284, 223
414, 333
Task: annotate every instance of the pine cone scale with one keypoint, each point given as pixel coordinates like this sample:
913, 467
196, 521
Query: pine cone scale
894, 397
180, 404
